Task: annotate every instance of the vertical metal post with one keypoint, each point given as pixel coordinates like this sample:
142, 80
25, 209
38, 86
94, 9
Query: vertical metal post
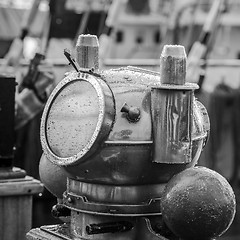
171, 105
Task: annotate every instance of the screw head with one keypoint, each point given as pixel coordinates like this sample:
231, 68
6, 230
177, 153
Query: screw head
70, 200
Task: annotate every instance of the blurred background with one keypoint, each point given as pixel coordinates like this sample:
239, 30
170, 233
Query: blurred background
130, 32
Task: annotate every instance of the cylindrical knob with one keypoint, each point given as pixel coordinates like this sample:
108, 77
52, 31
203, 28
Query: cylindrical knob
173, 65
133, 113
87, 55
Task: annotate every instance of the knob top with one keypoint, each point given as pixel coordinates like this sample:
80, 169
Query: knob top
173, 65
87, 40
176, 51
87, 55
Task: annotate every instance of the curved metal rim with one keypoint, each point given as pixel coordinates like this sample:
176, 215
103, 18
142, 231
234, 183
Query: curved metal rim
81, 204
74, 76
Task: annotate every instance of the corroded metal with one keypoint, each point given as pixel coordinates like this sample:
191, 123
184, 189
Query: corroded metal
125, 142
172, 109
111, 200
117, 137
173, 65
204, 198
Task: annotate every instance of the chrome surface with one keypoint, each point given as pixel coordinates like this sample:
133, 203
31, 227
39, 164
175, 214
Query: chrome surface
130, 133
172, 125
104, 193
125, 155
141, 231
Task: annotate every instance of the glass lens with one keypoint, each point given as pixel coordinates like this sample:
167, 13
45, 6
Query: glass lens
72, 118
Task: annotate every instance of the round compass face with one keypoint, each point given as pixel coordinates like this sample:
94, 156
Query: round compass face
75, 118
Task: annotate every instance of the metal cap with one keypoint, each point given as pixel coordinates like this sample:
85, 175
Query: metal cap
173, 65
87, 52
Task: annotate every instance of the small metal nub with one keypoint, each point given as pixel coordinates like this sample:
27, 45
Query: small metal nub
87, 48
133, 113
173, 65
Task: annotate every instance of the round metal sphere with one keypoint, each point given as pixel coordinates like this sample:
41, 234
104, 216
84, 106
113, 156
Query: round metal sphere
198, 204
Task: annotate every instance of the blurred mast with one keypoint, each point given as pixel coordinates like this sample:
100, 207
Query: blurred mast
200, 48
16, 49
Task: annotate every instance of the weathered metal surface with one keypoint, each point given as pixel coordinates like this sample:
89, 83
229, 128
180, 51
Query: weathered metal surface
172, 113
142, 230
198, 203
107, 194
57, 183
53, 232
142, 128
127, 149
173, 65
87, 52
172, 109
